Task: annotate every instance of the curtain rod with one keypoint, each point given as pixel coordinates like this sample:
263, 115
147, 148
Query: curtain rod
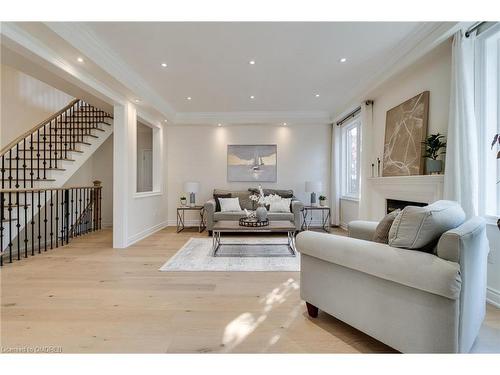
474, 27
349, 116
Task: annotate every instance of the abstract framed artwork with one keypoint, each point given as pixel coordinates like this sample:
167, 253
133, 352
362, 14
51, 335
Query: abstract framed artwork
405, 130
252, 163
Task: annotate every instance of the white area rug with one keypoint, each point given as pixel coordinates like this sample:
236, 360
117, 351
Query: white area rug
196, 255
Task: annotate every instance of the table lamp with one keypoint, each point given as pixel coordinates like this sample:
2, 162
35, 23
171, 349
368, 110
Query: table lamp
192, 188
313, 187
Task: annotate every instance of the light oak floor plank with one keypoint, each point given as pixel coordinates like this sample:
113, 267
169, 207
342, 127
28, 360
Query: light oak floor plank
89, 297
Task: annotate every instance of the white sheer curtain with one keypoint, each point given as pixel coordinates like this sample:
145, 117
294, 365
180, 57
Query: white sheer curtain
462, 166
335, 183
364, 207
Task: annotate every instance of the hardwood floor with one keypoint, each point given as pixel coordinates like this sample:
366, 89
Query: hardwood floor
88, 297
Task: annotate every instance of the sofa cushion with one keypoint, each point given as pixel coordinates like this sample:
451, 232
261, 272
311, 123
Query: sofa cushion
283, 205
217, 196
280, 216
414, 269
381, 234
420, 227
218, 216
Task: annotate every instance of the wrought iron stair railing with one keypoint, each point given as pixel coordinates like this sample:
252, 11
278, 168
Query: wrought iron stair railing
36, 220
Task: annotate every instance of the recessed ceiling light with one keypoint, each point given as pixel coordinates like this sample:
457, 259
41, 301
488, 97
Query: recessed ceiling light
188, 98
137, 100
165, 120
252, 62
80, 60
285, 124
252, 97
164, 65
219, 125
317, 95
343, 59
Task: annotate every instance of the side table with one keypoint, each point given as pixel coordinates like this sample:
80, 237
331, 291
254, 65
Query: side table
181, 211
325, 217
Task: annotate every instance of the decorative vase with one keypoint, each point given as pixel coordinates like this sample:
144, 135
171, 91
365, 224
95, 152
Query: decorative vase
261, 213
322, 202
183, 202
433, 166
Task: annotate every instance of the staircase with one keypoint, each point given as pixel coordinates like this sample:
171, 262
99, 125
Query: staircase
37, 213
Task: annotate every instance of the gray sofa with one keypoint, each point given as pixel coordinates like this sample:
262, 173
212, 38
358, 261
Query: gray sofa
212, 216
413, 301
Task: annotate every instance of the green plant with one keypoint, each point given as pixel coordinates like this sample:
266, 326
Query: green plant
183, 198
496, 140
433, 143
322, 198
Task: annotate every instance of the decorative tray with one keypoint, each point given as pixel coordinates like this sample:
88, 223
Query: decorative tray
252, 222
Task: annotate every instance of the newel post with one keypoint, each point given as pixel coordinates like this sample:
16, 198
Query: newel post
97, 204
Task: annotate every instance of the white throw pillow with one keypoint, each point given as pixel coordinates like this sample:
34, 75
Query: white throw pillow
229, 205
282, 205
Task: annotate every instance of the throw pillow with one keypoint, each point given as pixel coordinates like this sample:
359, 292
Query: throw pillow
217, 203
381, 234
282, 205
230, 205
421, 227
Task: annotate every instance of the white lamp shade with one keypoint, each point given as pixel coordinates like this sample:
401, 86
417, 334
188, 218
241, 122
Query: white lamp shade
314, 186
191, 187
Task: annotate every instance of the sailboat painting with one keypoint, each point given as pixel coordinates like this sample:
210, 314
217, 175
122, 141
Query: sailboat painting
251, 163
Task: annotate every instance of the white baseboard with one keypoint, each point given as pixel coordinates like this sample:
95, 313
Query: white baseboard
493, 297
107, 225
145, 233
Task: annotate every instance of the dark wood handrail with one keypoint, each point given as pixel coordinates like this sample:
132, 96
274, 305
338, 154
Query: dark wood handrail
48, 188
35, 128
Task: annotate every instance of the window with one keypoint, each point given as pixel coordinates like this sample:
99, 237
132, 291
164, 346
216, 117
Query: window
350, 158
488, 117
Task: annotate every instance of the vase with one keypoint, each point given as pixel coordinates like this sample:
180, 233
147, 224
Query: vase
261, 213
433, 166
322, 202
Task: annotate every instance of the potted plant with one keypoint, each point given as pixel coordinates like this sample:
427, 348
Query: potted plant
183, 201
322, 200
496, 140
433, 144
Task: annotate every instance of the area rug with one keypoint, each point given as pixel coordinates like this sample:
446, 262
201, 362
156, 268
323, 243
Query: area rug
196, 255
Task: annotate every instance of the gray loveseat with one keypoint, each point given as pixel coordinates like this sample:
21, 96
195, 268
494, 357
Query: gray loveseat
212, 215
413, 301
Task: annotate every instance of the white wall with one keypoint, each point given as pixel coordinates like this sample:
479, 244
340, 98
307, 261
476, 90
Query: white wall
348, 211
25, 102
199, 153
99, 167
432, 73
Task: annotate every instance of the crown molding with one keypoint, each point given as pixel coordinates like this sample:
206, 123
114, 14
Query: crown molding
417, 44
253, 117
84, 39
24, 43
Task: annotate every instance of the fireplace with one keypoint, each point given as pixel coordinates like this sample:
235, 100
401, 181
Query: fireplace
394, 204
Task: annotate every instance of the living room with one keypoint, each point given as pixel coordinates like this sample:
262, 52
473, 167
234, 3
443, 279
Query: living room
277, 186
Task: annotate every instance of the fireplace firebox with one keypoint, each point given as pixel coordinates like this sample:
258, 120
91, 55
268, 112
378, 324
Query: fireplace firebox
394, 204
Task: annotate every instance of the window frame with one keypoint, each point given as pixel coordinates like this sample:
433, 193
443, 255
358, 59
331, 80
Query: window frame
156, 160
487, 95
345, 158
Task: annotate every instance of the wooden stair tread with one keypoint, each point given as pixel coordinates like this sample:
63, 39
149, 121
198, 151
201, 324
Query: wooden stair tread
69, 141
46, 168
53, 160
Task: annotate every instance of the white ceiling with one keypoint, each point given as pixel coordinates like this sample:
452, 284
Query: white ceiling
294, 60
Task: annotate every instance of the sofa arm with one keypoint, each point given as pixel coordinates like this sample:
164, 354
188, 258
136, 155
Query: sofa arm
209, 213
297, 207
362, 230
415, 269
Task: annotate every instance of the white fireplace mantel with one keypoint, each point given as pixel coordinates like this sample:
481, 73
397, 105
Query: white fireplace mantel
422, 188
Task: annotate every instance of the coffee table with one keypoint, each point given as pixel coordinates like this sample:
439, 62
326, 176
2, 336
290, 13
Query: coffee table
234, 227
